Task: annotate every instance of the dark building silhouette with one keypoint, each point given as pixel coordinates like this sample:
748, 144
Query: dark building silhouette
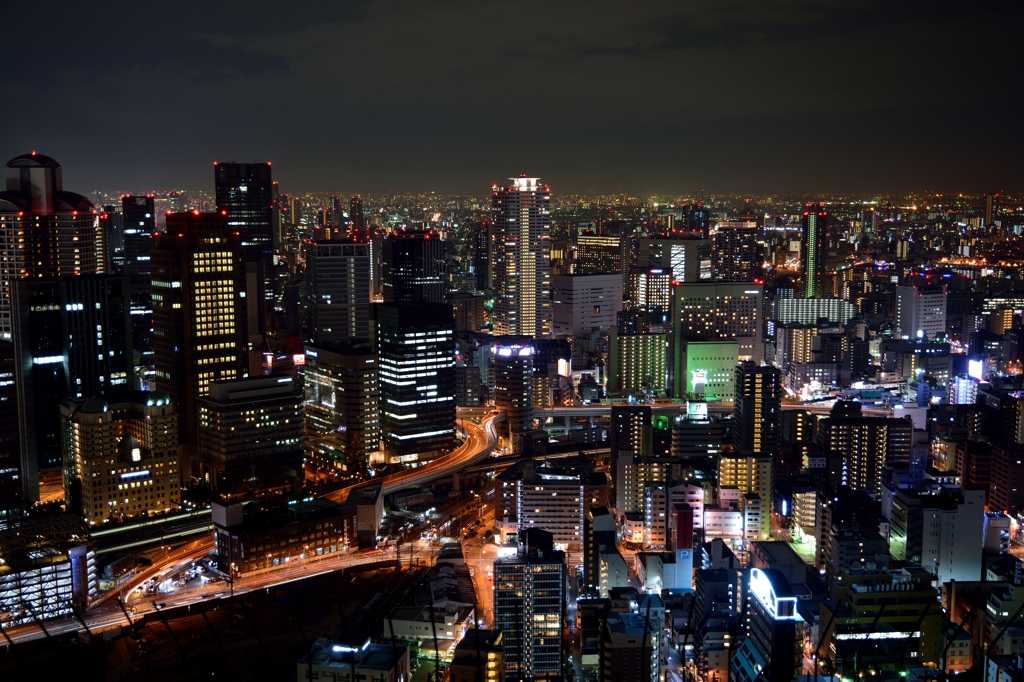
412, 268
138, 218
757, 424
11, 497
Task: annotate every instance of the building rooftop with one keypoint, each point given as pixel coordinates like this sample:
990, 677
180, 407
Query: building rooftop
327, 654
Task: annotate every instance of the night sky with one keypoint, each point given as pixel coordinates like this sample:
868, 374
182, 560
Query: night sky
734, 96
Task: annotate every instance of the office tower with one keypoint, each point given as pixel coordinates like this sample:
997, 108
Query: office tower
868, 444
938, 529
513, 384
201, 301
705, 370
412, 268
337, 292
522, 232
649, 290
49, 569
630, 435
697, 440
813, 310
812, 247
468, 310
356, 215
121, 460
688, 258
596, 254
529, 608
72, 339
770, 651
342, 409
920, 311
245, 193
110, 222
483, 255
720, 311
884, 616
991, 208
737, 251
637, 364
250, 436
757, 424
138, 216
44, 231
700, 218
11, 496
550, 496
416, 348
582, 304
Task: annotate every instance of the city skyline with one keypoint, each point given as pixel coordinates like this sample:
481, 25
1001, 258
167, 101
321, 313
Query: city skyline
801, 98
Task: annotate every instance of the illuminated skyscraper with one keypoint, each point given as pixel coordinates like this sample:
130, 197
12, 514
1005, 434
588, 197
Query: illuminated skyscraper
483, 255
412, 268
920, 311
44, 231
720, 310
522, 255
11, 496
138, 216
356, 216
415, 343
757, 426
815, 223
513, 384
737, 251
337, 292
200, 312
246, 193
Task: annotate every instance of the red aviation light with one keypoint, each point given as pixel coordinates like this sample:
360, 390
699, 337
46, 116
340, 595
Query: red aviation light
195, 211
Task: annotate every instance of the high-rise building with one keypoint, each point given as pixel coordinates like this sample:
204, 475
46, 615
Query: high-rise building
121, 460
649, 290
637, 363
920, 311
250, 436
867, 443
522, 255
513, 384
483, 255
356, 215
737, 251
415, 343
597, 254
938, 530
581, 304
529, 608
812, 246
201, 310
337, 292
812, 310
751, 475
245, 193
110, 222
770, 651
72, 340
412, 268
757, 421
138, 216
688, 257
342, 408
718, 311
630, 435
11, 495
705, 370
44, 230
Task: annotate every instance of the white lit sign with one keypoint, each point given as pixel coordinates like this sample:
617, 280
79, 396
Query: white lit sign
780, 608
974, 368
135, 474
878, 635
697, 409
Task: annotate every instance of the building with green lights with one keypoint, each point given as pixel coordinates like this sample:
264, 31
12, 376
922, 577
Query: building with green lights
638, 363
707, 369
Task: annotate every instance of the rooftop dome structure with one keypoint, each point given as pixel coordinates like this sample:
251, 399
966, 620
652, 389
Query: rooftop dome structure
95, 406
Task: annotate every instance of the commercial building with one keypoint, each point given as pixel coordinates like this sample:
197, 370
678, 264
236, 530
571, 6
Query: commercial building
687, 257
750, 474
47, 569
478, 657
12, 499
757, 409
138, 215
468, 310
413, 268
250, 436
634, 474
483, 255
812, 247
415, 344
522, 255
771, 651
649, 290
939, 529
920, 311
513, 384
201, 310
637, 364
630, 646
599, 254
341, 661
72, 338
45, 231
599, 536
342, 406
582, 304
886, 617
705, 370
529, 608
121, 460
737, 250
337, 292
867, 444
720, 311
811, 311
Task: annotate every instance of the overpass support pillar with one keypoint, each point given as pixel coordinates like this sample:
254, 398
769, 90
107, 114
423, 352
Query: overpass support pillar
590, 421
455, 483
567, 421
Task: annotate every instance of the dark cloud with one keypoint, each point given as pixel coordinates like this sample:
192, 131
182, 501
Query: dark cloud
734, 95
